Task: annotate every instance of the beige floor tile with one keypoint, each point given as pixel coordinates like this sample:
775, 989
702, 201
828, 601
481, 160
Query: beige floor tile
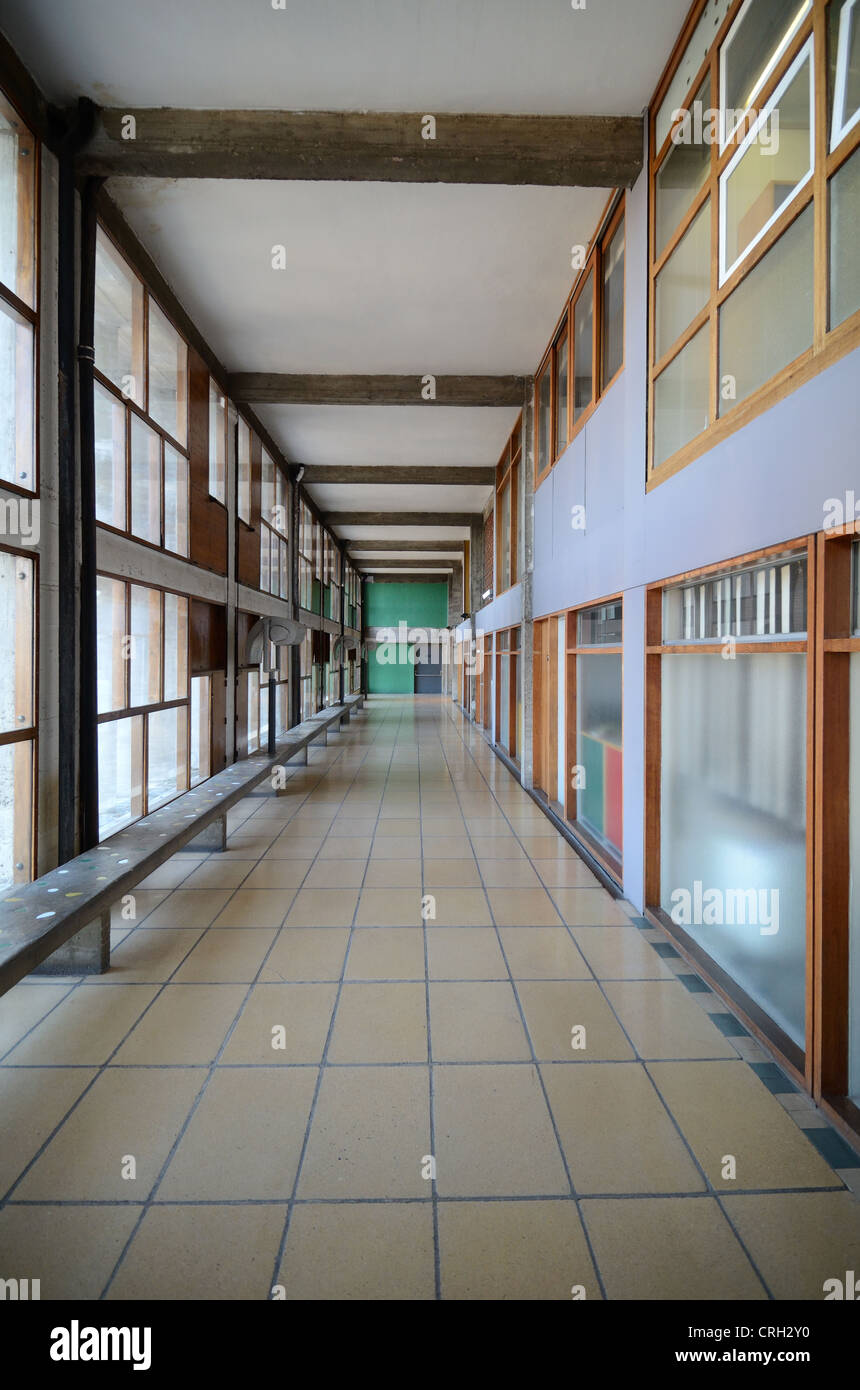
503, 848
509, 873
30, 1113
450, 873
393, 873
448, 846
85, 1028
245, 1137
323, 907
664, 1021
397, 826
285, 1023
380, 1023
306, 953
171, 874
256, 907
800, 1240
146, 956
227, 957
513, 1250
369, 1134
215, 874
464, 953
185, 1026
397, 847
668, 1248
472, 1022
489, 825
523, 907
23, 1006
135, 907
49, 1241
129, 1112
722, 1108
566, 873
386, 953
458, 907
619, 953
442, 825
347, 873
205, 1253
543, 953
389, 907
494, 1136
372, 1251
616, 1134
554, 1008
538, 846
279, 873
346, 847
189, 908
289, 846
589, 907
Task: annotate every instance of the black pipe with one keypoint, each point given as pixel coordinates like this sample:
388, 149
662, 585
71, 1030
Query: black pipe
88, 725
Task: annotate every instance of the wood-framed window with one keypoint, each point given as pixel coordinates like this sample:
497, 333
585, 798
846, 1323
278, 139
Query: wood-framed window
331, 579
274, 523
507, 509
587, 349
281, 656
141, 410
754, 177
508, 693
19, 301
143, 699
218, 414
311, 670
352, 611
18, 705
594, 728
309, 586
243, 471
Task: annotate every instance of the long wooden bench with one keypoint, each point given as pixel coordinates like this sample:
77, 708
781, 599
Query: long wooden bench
65, 914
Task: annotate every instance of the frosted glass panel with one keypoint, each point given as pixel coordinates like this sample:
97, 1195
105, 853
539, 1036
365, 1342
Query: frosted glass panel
504, 702
733, 837
854, 930
684, 283
695, 54
598, 747
681, 174
681, 398
844, 242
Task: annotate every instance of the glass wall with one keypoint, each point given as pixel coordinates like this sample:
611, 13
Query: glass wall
17, 718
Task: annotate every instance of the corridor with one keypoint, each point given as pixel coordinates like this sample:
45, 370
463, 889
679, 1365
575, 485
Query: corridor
399, 967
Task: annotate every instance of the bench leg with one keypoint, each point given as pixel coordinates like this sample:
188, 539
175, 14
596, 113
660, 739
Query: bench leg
87, 953
214, 837
322, 738
301, 755
344, 718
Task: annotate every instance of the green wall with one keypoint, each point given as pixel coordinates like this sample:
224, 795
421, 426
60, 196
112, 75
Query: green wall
387, 678
417, 605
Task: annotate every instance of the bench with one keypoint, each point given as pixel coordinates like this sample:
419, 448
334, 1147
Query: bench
67, 911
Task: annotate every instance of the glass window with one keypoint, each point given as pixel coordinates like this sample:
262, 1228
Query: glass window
613, 304
682, 173
600, 626
760, 601
544, 420
145, 646
17, 619
120, 774
244, 467
845, 80
560, 356
200, 757
17, 380
505, 538
844, 241
759, 36
167, 755
145, 482
267, 488
17, 205
118, 321
681, 394
217, 443
767, 321
854, 909
685, 74
770, 168
265, 559
175, 501
683, 286
16, 812
168, 375
112, 644
253, 721
583, 348
110, 459
599, 748
175, 647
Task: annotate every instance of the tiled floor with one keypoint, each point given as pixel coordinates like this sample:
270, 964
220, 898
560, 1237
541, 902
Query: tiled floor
397, 969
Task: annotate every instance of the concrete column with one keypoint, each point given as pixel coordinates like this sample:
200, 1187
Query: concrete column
526, 562
86, 953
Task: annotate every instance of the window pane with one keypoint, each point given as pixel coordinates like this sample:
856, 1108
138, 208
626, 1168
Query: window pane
16, 813
845, 77
600, 626
118, 321
583, 348
175, 647
17, 625
733, 819
217, 443
167, 767
265, 558
175, 501
244, 466
683, 171
684, 284
17, 456
284, 570
767, 321
168, 374
200, 729
844, 241
267, 489
854, 851
145, 482
145, 684
695, 53
762, 601
110, 459
681, 398
120, 774
274, 562
613, 304
505, 539
112, 648
544, 420
561, 393
750, 52
253, 696
598, 747
17, 205
764, 176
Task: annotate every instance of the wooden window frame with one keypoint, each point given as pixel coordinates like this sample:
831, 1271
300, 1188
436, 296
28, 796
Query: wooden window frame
508, 475
28, 733
27, 311
828, 345
515, 652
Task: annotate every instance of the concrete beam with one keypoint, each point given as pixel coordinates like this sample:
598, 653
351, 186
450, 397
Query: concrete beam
436, 519
437, 475
452, 547
278, 388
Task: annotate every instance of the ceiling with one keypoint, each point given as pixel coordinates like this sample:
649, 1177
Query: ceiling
380, 278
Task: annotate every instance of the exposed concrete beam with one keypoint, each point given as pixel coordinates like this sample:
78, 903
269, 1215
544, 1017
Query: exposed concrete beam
403, 147
436, 519
371, 566
354, 547
277, 388
436, 475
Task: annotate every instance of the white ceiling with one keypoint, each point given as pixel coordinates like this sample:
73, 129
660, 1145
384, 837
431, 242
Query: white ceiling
398, 497
539, 56
390, 434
